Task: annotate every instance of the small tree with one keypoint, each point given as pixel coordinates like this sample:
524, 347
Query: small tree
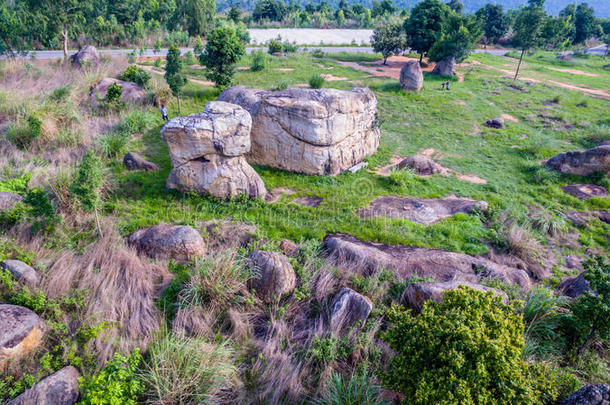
87, 184
198, 48
340, 18
234, 13
174, 75
200, 15
388, 39
222, 51
424, 25
528, 28
495, 22
457, 40
157, 47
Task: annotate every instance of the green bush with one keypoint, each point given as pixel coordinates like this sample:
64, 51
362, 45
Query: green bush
259, 60
316, 81
282, 85
287, 47
317, 53
158, 63
40, 210
137, 75
116, 383
60, 94
112, 99
466, 350
543, 315
274, 46
88, 181
114, 143
189, 58
23, 136
358, 389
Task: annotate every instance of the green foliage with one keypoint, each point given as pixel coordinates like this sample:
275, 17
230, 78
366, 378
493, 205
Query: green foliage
40, 210
471, 341
389, 39
60, 94
528, 27
158, 63
137, 75
23, 136
158, 45
259, 60
274, 46
222, 51
189, 58
112, 99
424, 25
360, 388
200, 15
116, 383
198, 47
495, 22
316, 81
325, 350
174, 75
287, 47
543, 315
114, 143
89, 179
17, 184
457, 39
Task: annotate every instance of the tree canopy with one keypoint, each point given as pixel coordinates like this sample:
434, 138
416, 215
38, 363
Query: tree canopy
424, 25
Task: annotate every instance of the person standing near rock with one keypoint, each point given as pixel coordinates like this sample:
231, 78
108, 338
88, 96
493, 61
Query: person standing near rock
164, 113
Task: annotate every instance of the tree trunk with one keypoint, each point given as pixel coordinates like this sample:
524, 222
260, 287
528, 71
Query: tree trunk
178, 98
519, 65
385, 60
64, 34
421, 58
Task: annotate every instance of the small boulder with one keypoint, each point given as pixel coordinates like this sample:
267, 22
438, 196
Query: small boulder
224, 234
582, 162
422, 165
411, 76
589, 395
133, 161
9, 200
348, 308
290, 248
574, 286
21, 331
584, 191
86, 55
497, 123
274, 275
567, 58
21, 271
603, 216
573, 262
132, 93
445, 67
416, 294
578, 218
166, 241
60, 388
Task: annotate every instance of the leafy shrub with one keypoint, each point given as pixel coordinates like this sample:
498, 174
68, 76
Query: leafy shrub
88, 181
189, 58
17, 185
187, 370
359, 389
116, 383
114, 143
287, 47
543, 314
135, 74
132, 57
112, 99
60, 94
23, 136
158, 63
316, 81
259, 60
471, 341
282, 85
40, 210
274, 46
138, 121
318, 53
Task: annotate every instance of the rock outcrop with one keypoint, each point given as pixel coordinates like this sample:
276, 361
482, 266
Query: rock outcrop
497, 123
289, 248
422, 165
445, 67
166, 241
319, 132
416, 294
134, 161
132, 93
60, 388
348, 308
86, 55
21, 331
584, 191
9, 200
207, 152
273, 274
21, 271
411, 76
368, 258
589, 395
574, 286
582, 162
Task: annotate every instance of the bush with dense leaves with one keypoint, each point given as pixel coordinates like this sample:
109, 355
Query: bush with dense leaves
222, 51
259, 60
316, 82
137, 75
275, 46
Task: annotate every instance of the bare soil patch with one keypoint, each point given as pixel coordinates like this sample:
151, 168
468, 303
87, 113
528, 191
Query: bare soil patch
309, 201
575, 72
508, 117
331, 78
162, 72
277, 193
285, 69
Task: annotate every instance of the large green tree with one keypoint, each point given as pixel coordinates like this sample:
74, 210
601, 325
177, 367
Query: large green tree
222, 51
528, 28
585, 23
388, 39
459, 34
424, 25
200, 15
495, 22
12, 29
174, 75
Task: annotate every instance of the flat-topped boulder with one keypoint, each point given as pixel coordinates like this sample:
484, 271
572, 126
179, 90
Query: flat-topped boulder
132, 93
347, 308
166, 241
9, 200
368, 258
86, 55
273, 274
21, 331
21, 271
421, 165
207, 152
584, 191
320, 132
582, 162
60, 388
411, 76
420, 210
416, 294
445, 67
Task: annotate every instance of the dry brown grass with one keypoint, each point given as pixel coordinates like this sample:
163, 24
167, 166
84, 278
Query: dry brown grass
522, 243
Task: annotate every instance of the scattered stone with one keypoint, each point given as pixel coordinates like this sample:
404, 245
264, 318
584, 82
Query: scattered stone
445, 67
603, 216
367, 258
207, 151
60, 388
497, 123
574, 286
21, 331
86, 55
9, 200
577, 218
290, 248
133, 161
411, 76
422, 165
357, 167
582, 162
589, 395
320, 132
416, 294
420, 210
166, 241
132, 93
347, 308
223, 234
21, 271
274, 275
309, 201
584, 191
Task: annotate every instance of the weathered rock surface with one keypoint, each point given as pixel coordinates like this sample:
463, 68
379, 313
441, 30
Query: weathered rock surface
574, 286
417, 293
207, 152
132, 93
368, 258
497, 123
274, 275
320, 132
584, 191
85, 55
223, 234
422, 165
411, 76
312, 201
420, 210
347, 308
446, 67
603, 216
21, 331
167, 241
21, 271
289, 248
60, 388
582, 162
134, 161
573, 262
589, 395
9, 200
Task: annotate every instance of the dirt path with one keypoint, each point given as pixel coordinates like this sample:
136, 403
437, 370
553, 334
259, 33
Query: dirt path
162, 72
